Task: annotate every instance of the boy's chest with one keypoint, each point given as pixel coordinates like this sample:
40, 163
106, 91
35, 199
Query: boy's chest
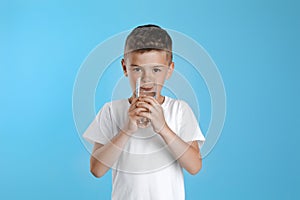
145, 141
144, 154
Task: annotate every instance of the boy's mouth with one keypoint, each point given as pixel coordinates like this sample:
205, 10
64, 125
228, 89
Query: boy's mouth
147, 89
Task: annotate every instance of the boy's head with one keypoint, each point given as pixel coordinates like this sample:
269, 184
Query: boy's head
148, 37
148, 54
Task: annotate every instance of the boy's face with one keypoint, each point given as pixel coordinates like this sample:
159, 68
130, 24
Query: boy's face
152, 66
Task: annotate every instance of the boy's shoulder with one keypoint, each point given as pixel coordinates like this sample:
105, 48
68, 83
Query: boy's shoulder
174, 103
173, 100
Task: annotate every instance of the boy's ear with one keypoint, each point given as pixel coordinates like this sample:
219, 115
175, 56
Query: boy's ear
124, 67
170, 70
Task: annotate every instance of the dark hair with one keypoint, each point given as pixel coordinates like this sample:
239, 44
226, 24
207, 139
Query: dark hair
148, 37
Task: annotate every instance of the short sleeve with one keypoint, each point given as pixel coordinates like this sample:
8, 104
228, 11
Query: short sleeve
189, 127
100, 130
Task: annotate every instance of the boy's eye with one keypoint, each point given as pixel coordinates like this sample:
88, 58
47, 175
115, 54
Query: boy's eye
156, 70
136, 69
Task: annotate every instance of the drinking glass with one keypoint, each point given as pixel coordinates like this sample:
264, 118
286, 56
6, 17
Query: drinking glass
144, 122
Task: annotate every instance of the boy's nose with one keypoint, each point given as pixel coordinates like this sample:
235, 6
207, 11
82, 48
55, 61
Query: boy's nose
147, 76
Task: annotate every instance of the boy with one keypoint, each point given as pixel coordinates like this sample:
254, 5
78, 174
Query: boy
146, 162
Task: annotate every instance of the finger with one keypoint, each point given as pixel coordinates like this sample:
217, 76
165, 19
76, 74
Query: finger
133, 104
145, 114
148, 106
134, 100
135, 118
152, 101
136, 111
149, 99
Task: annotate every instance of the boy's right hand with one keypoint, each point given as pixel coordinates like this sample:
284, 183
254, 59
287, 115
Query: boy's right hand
133, 115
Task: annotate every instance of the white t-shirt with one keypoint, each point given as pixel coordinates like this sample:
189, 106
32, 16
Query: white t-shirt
146, 170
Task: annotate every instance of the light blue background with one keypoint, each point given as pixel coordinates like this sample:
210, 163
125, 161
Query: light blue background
255, 45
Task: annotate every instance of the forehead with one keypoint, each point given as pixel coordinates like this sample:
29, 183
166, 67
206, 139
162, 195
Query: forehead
147, 58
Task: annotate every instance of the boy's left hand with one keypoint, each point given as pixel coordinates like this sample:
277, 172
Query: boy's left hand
155, 114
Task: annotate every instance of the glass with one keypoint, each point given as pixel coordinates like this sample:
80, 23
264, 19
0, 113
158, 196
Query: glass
144, 122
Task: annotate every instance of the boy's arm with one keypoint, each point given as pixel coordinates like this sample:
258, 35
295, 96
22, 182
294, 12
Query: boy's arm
187, 154
104, 156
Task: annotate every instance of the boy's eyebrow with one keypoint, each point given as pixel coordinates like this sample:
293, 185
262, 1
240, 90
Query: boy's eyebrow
158, 65
134, 65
